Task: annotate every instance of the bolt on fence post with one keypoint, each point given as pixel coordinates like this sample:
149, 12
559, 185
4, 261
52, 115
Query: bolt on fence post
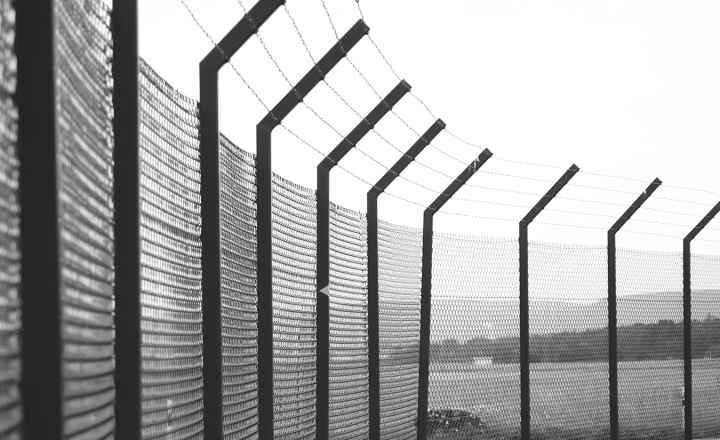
41, 385
126, 172
323, 248
263, 175
687, 318
612, 305
426, 287
374, 269
210, 211
524, 297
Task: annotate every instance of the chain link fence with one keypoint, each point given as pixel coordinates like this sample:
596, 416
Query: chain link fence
84, 133
348, 325
170, 245
10, 404
474, 378
399, 255
705, 345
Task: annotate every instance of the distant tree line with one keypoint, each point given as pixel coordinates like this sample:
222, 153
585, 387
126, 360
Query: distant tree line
638, 342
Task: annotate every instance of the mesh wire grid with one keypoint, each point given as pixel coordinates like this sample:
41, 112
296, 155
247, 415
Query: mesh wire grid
568, 341
474, 343
474, 384
705, 303
650, 367
399, 252
170, 257
83, 57
239, 292
10, 406
294, 310
348, 375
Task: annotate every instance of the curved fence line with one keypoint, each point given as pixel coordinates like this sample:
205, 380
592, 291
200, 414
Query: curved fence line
475, 338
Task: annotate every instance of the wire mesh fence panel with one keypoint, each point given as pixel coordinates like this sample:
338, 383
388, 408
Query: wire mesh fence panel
10, 405
294, 310
650, 366
568, 341
474, 388
348, 369
170, 257
399, 252
239, 291
85, 144
705, 305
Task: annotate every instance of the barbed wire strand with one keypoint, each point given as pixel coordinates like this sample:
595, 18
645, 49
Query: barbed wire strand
394, 71
262, 102
308, 51
352, 174
402, 120
322, 119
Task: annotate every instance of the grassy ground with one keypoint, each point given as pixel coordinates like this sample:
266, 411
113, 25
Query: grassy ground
570, 401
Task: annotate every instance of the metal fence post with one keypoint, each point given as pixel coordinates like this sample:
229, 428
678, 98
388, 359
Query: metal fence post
426, 287
41, 383
374, 269
612, 306
323, 248
210, 210
126, 157
263, 170
687, 317
524, 297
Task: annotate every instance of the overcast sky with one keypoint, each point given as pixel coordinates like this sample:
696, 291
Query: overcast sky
626, 88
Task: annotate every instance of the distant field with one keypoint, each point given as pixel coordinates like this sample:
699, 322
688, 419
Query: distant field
570, 401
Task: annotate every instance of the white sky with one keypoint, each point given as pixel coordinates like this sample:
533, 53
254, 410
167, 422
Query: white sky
625, 88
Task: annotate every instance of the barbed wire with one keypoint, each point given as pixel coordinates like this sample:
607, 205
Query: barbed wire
404, 121
394, 71
322, 119
260, 100
571, 226
591, 173
308, 51
385, 167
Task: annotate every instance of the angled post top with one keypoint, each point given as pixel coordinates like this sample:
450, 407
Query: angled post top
314, 76
548, 196
239, 35
636, 205
704, 222
458, 182
407, 158
365, 125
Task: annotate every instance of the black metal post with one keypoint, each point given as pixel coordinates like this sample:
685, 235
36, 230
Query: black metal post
374, 269
687, 318
210, 213
263, 175
41, 383
525, 300
323, 248
126, 131
612, 306
426, 287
